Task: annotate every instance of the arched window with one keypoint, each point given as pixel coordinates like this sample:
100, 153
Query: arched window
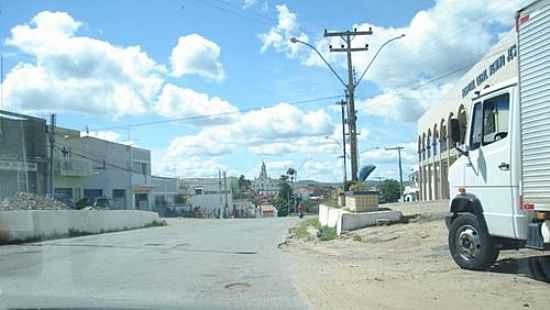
429, 144
424, 146
435, 141
443, 135
419, 148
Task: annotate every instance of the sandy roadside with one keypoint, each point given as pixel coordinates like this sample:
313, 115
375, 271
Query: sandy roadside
407, 266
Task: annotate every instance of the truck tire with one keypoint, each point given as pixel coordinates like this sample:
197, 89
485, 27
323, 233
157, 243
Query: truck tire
470, 244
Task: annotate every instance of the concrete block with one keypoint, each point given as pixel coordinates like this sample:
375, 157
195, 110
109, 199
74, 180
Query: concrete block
363, 201
353, 220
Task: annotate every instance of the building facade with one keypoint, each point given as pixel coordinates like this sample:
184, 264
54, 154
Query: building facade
207, 197
164, 192
264, 185
435, 150
23, 154
88, 167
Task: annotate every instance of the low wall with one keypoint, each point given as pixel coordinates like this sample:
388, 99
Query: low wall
344, 220
28, 225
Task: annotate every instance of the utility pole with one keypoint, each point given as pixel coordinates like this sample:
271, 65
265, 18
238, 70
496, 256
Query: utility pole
220, 191
347, 37
226, 206
398, 149
51, 134
344, 155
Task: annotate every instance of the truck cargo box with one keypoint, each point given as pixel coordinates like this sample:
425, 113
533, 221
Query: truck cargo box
533, 26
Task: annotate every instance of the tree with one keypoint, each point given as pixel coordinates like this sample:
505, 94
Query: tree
390, 190
282, 200
244, 184
291, 172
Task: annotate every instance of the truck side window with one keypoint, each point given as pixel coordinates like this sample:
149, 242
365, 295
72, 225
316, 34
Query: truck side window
495, 119
477, 125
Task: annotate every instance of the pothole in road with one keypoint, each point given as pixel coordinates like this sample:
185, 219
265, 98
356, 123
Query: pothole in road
153, 244
237, 285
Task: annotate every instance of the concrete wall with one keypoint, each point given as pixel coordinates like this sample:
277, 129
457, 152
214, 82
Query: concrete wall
23, 225
345, 221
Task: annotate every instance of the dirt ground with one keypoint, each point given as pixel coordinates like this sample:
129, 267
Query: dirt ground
408, 266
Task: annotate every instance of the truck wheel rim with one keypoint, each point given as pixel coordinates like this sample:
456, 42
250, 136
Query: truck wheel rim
468, 243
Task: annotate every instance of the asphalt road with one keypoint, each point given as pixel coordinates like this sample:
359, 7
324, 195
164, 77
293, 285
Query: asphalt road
189, 264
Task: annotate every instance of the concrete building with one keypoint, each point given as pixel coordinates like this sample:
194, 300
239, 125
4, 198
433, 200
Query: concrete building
264, 185
209, 197
88, 167
164, 191
23, 154
435, 152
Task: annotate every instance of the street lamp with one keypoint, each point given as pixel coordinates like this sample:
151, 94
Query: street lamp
350, 88
376, 55
295, 40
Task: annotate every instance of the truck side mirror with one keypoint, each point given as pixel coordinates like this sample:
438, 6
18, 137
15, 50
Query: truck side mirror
455, 131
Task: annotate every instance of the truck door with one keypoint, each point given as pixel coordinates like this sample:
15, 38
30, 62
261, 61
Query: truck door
488, 171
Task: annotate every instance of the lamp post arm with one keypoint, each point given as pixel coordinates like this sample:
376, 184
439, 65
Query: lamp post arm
373, 58
294, 40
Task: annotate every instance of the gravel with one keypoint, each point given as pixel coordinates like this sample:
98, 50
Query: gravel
29, 201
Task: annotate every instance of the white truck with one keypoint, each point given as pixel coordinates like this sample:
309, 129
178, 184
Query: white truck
500, 184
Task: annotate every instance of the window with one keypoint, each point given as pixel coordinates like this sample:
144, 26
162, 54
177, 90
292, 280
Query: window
476, 130
495, 119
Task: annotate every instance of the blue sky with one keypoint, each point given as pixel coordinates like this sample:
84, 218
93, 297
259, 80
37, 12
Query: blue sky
108, 64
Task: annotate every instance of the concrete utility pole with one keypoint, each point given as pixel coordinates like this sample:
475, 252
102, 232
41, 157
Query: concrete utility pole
220, 191
347, 36
344, 152
51, 135
398, 149
226, 205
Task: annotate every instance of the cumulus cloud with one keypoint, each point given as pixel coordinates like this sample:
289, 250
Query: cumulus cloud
435, 44
278, 37
76, 73
249, 3
175, 101
268, 128
195, 54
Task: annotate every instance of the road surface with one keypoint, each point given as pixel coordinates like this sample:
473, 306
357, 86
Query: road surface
191, 264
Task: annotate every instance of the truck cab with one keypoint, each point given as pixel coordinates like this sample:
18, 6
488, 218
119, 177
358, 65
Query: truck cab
486, 210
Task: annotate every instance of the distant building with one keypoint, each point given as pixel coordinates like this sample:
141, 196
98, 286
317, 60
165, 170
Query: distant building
264, 185
164, 192
268, 211
23, 154
210, 197
88, 167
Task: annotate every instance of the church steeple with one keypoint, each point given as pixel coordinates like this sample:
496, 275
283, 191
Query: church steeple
263, 172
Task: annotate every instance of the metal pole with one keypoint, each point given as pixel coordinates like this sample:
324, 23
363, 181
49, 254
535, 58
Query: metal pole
401, 175
52, 144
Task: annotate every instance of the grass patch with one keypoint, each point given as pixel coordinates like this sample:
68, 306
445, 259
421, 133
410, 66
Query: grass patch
300, 231
327, 233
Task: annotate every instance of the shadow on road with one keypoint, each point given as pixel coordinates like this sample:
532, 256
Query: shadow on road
534, 267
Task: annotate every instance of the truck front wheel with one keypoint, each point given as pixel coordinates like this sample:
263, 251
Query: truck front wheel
470, 244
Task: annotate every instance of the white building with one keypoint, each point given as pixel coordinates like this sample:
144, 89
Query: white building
164, 191
435, 152
88, 167
264, 185
211, 197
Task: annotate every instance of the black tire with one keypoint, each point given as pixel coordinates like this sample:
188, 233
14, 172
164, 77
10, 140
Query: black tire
470, 244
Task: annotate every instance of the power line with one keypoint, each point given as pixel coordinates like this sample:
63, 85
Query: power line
209, 116
63, 149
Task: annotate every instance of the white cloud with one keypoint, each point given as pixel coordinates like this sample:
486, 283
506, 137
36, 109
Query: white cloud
266, 128
279, 36
188, 167
175, 101
76, 73
249, 3
195, 54
108, 135
404, 105
435, 43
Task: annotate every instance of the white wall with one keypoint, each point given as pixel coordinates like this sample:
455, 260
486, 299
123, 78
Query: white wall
345, 221
21, 225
